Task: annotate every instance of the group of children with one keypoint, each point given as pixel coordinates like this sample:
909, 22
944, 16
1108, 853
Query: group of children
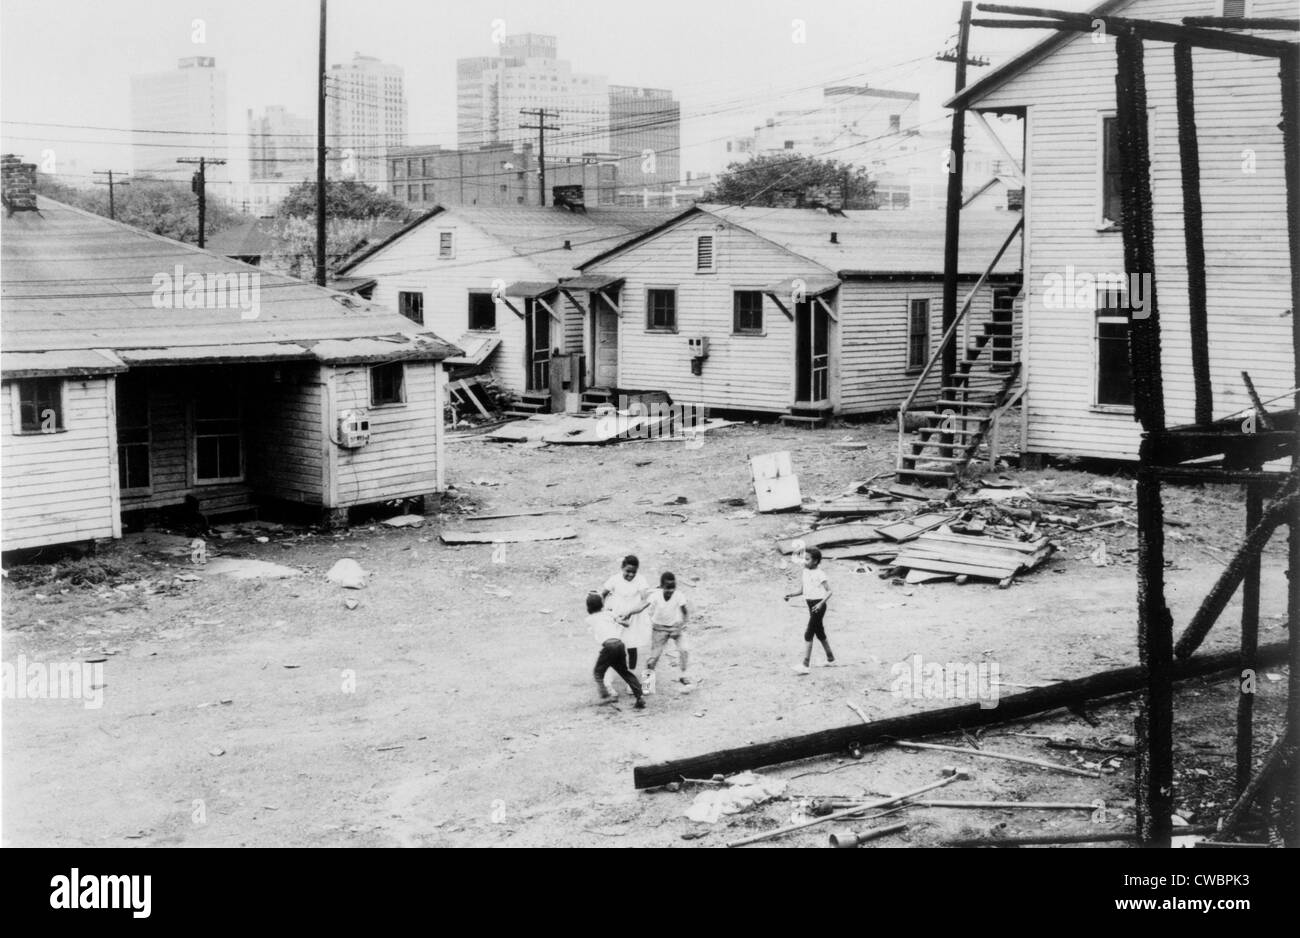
627, 613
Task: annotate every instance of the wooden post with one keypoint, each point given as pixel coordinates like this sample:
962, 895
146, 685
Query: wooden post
1249, 644
952, 229
1189, 153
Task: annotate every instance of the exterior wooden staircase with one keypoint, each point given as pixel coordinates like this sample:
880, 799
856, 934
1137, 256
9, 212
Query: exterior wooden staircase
530, 403
937, 441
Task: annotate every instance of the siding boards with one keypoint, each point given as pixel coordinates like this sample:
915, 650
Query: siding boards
1238, 106
58, 487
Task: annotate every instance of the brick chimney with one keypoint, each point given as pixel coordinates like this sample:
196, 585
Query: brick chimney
19, 184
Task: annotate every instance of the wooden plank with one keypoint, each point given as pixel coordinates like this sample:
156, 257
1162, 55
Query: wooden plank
907, 530
1024, 547
506, 537
839, 535
946, 566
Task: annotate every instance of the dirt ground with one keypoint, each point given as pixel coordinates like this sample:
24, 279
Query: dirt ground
454, 706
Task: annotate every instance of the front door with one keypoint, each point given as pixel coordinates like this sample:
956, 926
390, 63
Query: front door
604, 331
537, 321
812, 353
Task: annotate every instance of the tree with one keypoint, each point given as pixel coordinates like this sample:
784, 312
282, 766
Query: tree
794, 181
295, 239
345, 198
169, 209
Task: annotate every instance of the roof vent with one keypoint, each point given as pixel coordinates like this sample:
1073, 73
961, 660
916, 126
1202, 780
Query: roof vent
568, 245
835, 237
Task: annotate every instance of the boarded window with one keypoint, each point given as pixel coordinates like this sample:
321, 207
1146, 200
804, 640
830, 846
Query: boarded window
748, 310
132, 433
218, 436
40, 405
704, 259
388, 384
661, 309
918, 334
1112, 206
1114, 371
445, 244
482, 312
411, 305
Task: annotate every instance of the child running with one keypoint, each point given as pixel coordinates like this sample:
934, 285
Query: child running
613, 654
816, 591
626, 591
668, 614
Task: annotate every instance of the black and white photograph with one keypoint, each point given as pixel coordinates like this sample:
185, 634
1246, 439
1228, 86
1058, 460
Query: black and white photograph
799, 424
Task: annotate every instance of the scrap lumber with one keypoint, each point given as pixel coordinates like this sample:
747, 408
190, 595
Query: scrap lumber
853, 839
944, 720
853, 552
902, 531
558, 510
840, 535
1004, 756
506, 537
848, 507
972, 555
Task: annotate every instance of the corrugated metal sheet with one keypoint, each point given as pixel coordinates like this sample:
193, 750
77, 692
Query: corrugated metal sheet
76, 281
73, 362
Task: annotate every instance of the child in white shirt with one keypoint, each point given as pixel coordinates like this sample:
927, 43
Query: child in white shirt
668, 614
816, 590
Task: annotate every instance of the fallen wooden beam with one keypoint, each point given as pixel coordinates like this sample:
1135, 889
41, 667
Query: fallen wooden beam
505, 537
944, 720
561, 510
1004, 756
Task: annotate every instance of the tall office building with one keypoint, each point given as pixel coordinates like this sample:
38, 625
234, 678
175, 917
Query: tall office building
366, 115
492, 90
179, 113
645, 135
281, 145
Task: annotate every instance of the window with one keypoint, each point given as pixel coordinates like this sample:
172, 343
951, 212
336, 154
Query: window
1114, 373
1112, 206
789, 144
411, 305
445, 244
661, 310
895, 123
1234, 9
132, 433
748, 312
482, 312
704, 257
388, 384
218, 436
40, 405
428, 192
918, 334
399, 169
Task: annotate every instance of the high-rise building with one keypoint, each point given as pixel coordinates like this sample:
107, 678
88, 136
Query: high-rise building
645, 135
366, 115
492, 90
850, 125
281, 145
179, 113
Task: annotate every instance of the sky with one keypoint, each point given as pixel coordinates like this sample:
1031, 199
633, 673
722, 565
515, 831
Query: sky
70, 62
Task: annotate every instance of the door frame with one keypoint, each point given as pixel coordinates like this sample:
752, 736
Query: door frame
597, 300
814, 310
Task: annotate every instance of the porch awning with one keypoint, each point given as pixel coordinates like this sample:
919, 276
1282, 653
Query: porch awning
592, 282
531, 289
812, 286
477, 349
72, 362
352, 284
215, 354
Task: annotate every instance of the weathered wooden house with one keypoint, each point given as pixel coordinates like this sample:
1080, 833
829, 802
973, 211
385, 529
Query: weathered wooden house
138, 371
500, 281
1078, 295
799, 312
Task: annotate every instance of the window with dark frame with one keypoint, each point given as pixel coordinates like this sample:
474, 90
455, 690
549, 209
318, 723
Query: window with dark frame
132, 433
661, 310
482, 312
748, 312
388, 384
918, 334
411, 305
40, 405
218, 436
1114, 370
1112, 205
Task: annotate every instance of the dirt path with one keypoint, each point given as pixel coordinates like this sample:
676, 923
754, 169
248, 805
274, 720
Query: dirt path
454, 705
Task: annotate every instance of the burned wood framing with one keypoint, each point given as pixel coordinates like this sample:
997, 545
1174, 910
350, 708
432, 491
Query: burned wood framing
945, 720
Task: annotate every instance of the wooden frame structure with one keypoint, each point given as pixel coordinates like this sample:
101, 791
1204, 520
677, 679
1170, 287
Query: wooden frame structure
1240, 449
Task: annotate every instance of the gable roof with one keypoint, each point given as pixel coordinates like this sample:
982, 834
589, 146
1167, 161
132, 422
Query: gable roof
1018, 63
77, 281
539, 233
867, 242
256, 237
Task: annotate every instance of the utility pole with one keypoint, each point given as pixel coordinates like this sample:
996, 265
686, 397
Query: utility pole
320, 153
111, 183
199, 185
541, 127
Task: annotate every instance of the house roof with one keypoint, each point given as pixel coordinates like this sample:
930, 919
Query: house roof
539, 234
77, 282
256, 237
869, 242
1013, 66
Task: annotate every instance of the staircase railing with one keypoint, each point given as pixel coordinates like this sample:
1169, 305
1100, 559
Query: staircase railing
951, 331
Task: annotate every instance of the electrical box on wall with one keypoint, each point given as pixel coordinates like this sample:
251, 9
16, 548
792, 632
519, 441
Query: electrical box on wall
354, 429
699, 346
